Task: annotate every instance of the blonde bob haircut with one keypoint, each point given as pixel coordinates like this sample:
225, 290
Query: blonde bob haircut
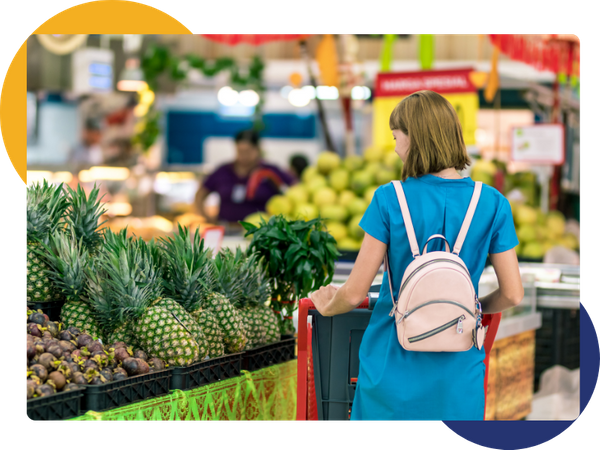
436, 139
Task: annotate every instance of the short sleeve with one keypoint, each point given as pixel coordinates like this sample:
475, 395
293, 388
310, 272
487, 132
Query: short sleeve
287, 178
504, 236
376, 220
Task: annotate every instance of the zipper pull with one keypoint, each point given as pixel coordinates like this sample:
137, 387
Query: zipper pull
402, 317
459, 327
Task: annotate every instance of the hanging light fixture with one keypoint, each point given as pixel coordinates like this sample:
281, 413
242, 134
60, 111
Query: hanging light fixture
132, 78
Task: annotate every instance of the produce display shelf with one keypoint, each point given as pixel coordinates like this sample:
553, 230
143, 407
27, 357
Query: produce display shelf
61, 406
206, 372
51, 309
270, 354
119, 393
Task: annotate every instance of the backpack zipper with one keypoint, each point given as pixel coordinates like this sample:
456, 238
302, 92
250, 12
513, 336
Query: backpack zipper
431, 302
457, 321
417, 270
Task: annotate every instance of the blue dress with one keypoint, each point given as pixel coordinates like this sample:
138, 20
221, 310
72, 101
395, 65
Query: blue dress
395, 384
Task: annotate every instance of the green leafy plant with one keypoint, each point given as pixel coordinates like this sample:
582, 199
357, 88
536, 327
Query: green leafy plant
299, 257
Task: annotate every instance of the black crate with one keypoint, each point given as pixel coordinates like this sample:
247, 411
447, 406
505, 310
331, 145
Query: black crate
61, 406
120, 393
557, 341
206, 372
51, 309
269, 355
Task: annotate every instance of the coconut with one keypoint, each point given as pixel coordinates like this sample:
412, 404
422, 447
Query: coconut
140, 354
44, 390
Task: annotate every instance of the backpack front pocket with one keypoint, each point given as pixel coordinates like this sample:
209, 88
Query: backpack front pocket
456, 322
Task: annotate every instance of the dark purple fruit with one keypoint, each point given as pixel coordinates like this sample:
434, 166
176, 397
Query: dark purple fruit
31, 385
117, 345
121, 354
47, 343
71, 387
56, 351
120, 376
52, 328
30, 351
34, 329
44, 390
90, 364
38, 318
46, 335
141, 354
157, 363
58, 379
30, 339
79, 378
67, 346
74, 367
107, 374
74, 331
83, 340
119, 370
96, 381
131, 366
65, 335
143, 366
46, 360
39, 371
95, 346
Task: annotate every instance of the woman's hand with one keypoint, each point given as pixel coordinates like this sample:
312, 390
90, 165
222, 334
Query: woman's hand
323, 297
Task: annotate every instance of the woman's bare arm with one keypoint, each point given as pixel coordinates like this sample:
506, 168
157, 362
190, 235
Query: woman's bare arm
199, 201
510, 291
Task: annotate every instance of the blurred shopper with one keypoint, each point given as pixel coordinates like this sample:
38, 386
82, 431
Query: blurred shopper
297, 165
89, 151
244, 185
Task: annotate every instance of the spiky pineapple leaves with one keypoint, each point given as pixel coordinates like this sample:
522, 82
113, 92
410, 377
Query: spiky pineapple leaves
188, 276
46, 207
83, 216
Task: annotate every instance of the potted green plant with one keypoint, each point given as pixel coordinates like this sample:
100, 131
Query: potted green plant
300, 258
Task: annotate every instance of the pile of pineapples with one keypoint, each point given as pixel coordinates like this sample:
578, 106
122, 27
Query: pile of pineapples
169, 297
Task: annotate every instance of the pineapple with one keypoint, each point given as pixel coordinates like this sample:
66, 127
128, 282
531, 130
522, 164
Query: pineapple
82, 217
46, 206
248, 273
220, 303
264, 313
130, 298
187, 278
67, 260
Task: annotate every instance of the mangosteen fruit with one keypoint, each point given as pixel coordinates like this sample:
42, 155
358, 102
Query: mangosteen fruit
121, 354
58, 379
34, 329
157, 363
131, 366
39, 371
46, 335
95, 346
65, 335
46, 360
90, 364
44, 390
143, 366
31, 385
30, 351
141, 354
79, 378
52, 328
101, 359
119, 370
120, 376
71, 387
83, 340
30, 338
118, 344
66, 346
56, 351
107, 374
75, 332
38, 318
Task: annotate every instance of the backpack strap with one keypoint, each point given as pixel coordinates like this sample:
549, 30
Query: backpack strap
410, 231
460, 240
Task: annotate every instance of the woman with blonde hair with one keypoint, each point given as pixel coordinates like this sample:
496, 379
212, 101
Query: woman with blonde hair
393, 383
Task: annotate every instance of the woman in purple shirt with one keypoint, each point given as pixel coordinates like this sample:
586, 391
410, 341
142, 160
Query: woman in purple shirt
246, 184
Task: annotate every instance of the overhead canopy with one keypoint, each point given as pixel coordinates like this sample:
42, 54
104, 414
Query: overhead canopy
557, 53
252, 39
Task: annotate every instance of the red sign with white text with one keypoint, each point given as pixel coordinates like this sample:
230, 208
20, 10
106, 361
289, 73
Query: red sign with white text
441, 81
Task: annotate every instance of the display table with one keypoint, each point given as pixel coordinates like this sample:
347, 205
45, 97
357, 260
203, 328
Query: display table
266, 394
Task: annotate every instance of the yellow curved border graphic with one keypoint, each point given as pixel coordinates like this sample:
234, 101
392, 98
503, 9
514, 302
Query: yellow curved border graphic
99, 17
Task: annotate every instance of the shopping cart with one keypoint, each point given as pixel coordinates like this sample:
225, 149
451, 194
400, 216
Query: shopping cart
328, 358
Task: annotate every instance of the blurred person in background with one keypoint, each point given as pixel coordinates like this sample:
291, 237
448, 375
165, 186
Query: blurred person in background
244, 185
298, 163
89, 151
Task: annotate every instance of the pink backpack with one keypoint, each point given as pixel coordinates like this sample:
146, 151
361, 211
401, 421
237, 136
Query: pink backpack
437, 308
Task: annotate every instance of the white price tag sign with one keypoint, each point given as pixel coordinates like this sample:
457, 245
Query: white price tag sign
538, 144
213, 238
